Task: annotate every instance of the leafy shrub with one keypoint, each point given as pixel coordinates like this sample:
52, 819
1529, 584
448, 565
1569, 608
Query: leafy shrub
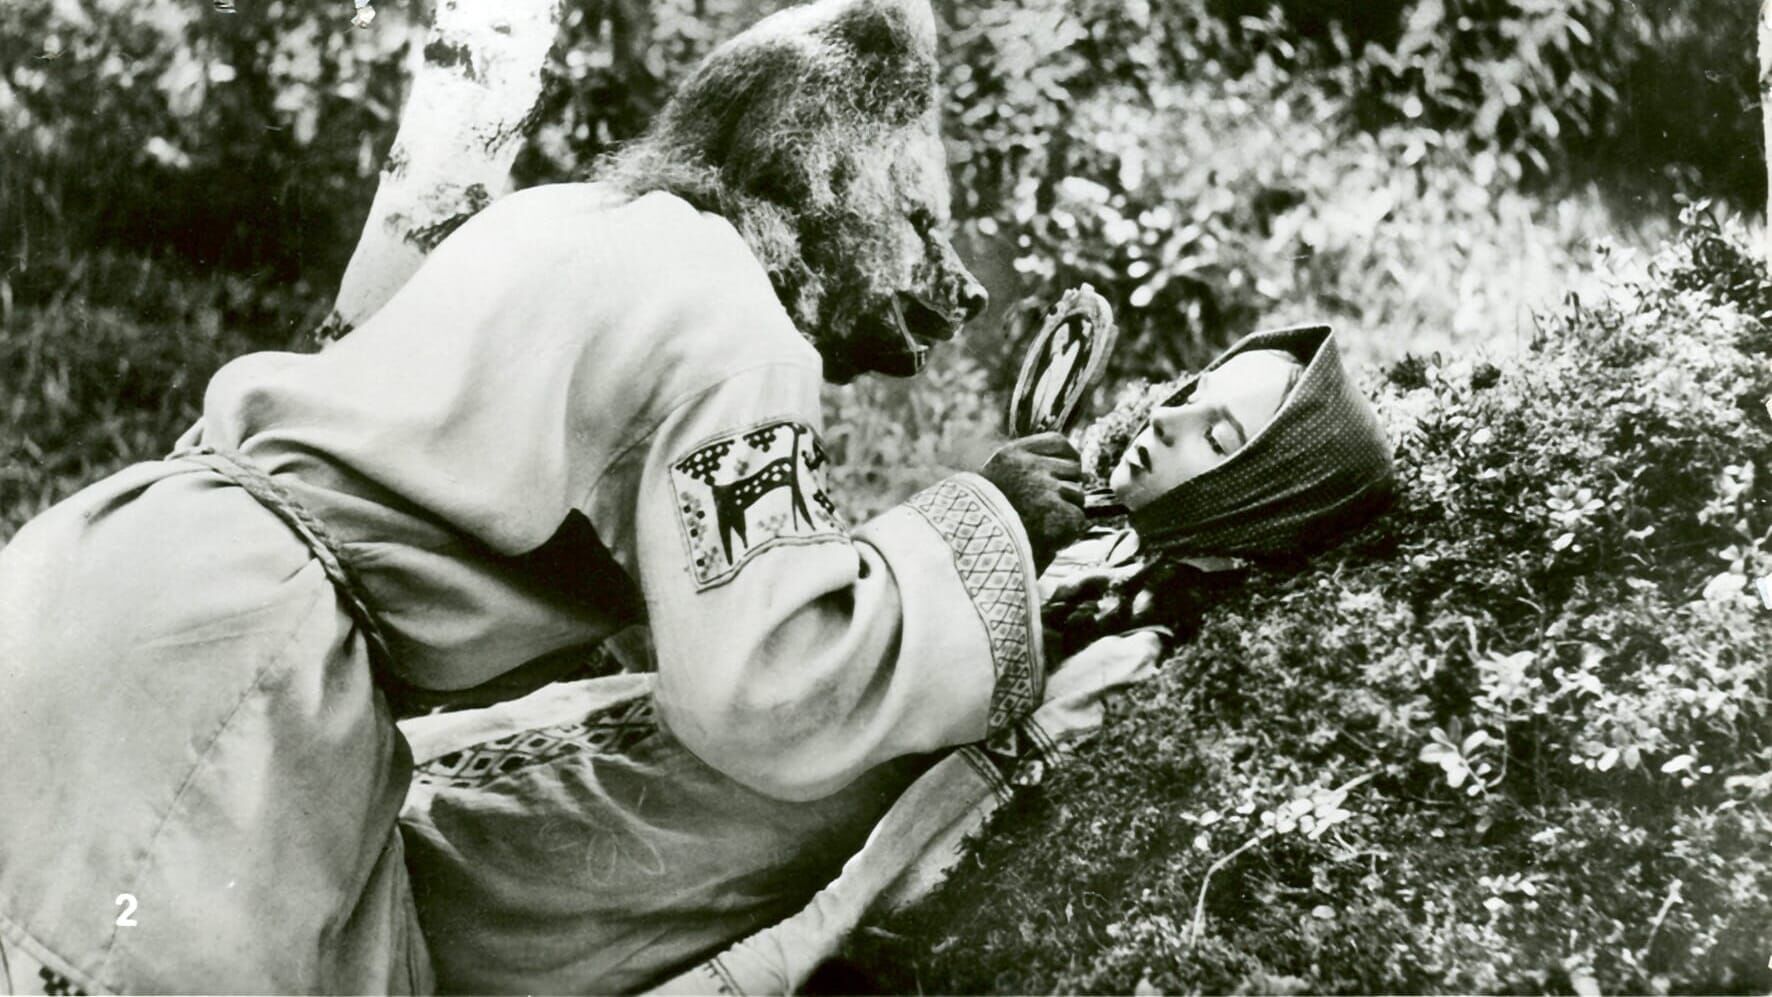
1514, 738
1203, 198
109, 367
252, 140
613, 67
1249, 24
249, 140
1608, 85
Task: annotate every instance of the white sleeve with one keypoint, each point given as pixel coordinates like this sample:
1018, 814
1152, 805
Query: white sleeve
924, 836
793, 654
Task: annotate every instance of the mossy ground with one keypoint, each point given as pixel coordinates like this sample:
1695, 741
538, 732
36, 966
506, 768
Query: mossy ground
1545, 673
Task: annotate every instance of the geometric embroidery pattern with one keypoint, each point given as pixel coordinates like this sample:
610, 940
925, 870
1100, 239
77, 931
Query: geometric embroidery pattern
988, 770
613, 730
745, 491
990, 569
1012, 757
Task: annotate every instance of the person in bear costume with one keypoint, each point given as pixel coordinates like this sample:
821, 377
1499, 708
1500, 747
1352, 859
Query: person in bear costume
589, 421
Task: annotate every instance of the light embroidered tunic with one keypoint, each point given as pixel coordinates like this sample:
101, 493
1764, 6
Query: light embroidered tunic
580, 416
559, 357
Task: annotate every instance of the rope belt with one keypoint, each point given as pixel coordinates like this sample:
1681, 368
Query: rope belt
235, 467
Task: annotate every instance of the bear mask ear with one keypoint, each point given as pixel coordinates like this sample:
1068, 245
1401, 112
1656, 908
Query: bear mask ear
892, 43
888, 28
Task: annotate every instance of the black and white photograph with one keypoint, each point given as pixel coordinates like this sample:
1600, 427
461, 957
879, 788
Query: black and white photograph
885, 497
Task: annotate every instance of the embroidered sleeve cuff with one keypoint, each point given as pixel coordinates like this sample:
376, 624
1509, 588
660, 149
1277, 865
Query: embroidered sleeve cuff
996, 567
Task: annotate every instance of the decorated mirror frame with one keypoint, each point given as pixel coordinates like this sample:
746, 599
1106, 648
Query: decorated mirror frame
1063, 362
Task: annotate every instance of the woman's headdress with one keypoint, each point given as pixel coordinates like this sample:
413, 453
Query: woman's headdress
1320, 467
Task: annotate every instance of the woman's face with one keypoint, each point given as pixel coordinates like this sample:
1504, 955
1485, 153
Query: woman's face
1227, 407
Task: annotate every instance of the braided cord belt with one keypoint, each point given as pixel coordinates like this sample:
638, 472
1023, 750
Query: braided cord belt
235, 467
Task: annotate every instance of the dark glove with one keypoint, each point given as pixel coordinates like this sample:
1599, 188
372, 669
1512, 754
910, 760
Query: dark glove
1042, 477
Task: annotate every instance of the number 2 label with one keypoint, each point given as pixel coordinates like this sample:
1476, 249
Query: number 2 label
127, 901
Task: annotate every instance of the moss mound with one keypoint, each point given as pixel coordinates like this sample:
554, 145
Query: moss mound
1513, 739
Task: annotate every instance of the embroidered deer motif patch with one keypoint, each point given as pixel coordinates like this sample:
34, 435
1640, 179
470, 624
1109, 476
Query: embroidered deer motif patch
749, 490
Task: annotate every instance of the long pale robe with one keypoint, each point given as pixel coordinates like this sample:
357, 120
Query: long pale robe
580, 415
565, 843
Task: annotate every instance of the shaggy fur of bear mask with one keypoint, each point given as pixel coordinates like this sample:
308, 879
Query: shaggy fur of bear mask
816, 133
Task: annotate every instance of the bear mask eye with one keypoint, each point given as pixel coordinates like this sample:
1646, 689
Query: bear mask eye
927, 224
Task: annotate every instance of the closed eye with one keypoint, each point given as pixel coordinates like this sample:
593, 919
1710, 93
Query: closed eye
930, 225
1221, 416
1212, 441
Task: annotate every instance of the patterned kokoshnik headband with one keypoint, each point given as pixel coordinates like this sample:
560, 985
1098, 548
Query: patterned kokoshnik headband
1320, 467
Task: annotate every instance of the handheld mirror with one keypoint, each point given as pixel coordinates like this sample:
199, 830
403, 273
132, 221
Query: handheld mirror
1065, 358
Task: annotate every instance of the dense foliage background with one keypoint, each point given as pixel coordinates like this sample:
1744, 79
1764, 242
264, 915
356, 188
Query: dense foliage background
1482, 195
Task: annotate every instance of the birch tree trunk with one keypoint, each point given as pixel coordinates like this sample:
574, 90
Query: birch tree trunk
1766, 109
460, 131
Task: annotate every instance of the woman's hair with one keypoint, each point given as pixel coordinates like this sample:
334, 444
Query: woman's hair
1105, 440
1170, 591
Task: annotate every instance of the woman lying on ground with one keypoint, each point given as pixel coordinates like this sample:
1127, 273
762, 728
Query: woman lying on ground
566, 842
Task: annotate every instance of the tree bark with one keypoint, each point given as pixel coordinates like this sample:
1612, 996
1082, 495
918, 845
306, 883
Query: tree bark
460, 131
1766, 110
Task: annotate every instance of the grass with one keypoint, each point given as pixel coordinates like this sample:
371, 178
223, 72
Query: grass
103, 362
